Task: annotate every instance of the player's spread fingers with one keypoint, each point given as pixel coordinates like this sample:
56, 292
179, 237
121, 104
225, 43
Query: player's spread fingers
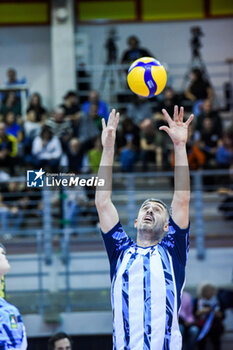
167, 117
111, 117
103, 123
117, 119
164, 128
189, 120
181, 114
176, 114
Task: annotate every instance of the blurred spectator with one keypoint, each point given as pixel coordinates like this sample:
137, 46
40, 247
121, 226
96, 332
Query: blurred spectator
224, 154
128, 144
35, 105
71, 106
93, 115
87, 130
59, 126
209, 317
139, 110
60, 341
94, 155
150, 151
95, 100
198, 90
11, 208
8, 149
169, 100
12, 127
10, 103
134, 51
196, 156
75, 153
209, 140
46, 150
12, 78
31, 126
188, 328
207, 111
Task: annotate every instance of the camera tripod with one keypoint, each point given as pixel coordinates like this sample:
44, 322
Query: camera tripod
196, 62
110, 72
196, 59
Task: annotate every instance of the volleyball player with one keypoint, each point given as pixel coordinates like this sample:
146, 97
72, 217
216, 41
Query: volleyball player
147, 276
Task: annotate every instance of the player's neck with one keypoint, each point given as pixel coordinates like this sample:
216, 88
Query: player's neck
144, 241
147, 238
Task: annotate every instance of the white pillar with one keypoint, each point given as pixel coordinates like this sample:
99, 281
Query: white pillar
62, 47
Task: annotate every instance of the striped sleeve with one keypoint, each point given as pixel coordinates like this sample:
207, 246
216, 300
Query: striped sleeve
115, 241
177, 241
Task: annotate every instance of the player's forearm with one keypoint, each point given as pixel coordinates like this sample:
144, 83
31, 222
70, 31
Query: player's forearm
103, 195
181, 176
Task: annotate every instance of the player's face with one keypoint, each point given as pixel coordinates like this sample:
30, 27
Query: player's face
152, 217
62, 344
4, 264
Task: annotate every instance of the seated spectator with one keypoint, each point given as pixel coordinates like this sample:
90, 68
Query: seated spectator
59, 126
87, 130
10, 104
74, 153
139, 110
60, 341
128, 144
209, 140
35, 105
188, 328
71, 106
94, 155
93, 115
209, 317
198, 90
224, 154
169, 100
150, 152
206, 111
11, 212
46, 150
134, 51
12, 78
31, 129
12, 127
95, 100
8, 149
196, 156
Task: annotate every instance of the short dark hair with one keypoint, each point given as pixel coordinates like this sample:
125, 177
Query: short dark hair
58, 336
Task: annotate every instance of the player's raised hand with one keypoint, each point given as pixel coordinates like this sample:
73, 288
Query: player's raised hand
109, 131
177, 129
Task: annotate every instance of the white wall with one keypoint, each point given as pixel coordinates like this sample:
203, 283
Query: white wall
27, 49
169, 42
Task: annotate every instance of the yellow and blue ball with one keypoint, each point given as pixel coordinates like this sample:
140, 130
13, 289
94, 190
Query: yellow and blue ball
147, 77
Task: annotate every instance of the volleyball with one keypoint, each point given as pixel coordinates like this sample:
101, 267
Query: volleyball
147, 77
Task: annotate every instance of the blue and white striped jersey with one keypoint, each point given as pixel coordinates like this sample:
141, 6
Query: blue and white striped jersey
12, 331
146, 289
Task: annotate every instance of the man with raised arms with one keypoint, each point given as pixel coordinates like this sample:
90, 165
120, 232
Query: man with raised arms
147, 276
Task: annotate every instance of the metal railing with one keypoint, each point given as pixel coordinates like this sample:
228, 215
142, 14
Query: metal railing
66, 267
